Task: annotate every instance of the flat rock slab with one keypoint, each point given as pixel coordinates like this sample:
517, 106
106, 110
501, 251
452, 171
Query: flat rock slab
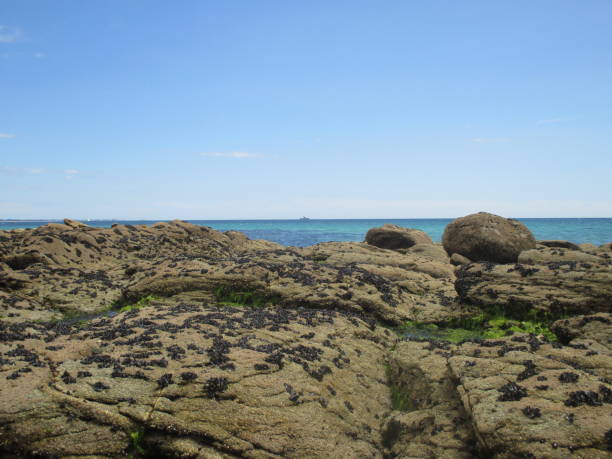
531, 399
558, 283
389, 286
508, 398
196, 379
595, 327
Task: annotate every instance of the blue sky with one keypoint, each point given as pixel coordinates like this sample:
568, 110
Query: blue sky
331, 109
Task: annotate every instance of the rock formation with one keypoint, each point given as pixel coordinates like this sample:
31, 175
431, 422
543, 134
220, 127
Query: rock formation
550, 280
394, 237
487, 237
58, 269
177, 340
197, 380
506, 398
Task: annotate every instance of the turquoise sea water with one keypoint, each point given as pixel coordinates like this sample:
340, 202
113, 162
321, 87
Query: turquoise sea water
302, 233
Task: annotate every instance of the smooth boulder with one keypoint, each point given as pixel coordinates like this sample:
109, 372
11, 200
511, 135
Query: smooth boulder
487, 237
396, 237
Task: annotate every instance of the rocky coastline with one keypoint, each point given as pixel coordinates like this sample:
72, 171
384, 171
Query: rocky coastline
176, 340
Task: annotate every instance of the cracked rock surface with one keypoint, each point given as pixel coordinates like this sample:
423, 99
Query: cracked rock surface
268, 382
56, 269
595, 327
536, 399
551, 280
508, 398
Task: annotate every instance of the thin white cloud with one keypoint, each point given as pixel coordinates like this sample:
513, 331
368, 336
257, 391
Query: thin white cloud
23, 55
4, 135
491, 139
9, 34
70, 173
24, 171
21, 170
231, 154
554, 120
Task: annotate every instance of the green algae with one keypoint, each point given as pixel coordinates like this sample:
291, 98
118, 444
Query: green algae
138, 450
400, 397
500, 327
319, 258
227, 295
488, 324
141, 303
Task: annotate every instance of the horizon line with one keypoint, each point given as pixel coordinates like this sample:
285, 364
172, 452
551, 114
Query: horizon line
263, 219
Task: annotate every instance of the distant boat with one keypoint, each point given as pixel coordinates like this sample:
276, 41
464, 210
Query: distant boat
304, 219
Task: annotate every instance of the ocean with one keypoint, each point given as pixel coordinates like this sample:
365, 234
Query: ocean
307, 232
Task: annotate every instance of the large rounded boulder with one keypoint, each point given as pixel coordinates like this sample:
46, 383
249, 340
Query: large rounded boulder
395, 237
487, 237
